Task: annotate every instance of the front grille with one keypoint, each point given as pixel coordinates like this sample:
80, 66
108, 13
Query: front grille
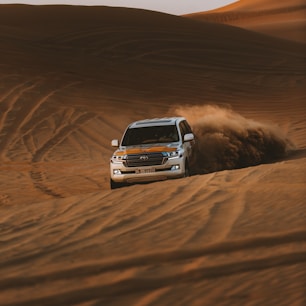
146, 159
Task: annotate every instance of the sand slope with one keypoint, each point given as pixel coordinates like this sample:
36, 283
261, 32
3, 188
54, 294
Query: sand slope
275, 18
72, 78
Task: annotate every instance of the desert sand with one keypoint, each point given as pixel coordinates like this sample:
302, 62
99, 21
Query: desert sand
72, 78
272, 17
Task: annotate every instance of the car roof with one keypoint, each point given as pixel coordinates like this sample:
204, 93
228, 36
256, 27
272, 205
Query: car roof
156, 122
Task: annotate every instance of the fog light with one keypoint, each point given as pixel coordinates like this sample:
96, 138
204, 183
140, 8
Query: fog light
175, 167
116, 172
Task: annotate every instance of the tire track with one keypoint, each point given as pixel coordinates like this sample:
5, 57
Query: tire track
131, 286
160, 215
37, 174
226, 208
27, 135
19, 115
29, 143
10, 109
11, 91
27, 115
39, 178
62, 133
17, 122
28, 111
297, 236
223, 217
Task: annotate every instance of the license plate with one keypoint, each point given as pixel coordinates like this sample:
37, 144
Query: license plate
138, 171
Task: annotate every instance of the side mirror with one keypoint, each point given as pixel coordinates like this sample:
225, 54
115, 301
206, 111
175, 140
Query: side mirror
115, 143
188, 137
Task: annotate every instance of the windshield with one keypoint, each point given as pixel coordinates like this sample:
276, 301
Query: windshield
150, 135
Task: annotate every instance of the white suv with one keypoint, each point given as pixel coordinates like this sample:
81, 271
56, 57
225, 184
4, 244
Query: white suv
152, 150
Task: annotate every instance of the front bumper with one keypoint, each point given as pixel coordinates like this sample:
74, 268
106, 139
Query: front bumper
173, 168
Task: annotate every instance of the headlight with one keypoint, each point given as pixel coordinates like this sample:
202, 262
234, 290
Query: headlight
173, 154
118, 158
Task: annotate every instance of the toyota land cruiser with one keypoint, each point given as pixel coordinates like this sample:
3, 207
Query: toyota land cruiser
152, 150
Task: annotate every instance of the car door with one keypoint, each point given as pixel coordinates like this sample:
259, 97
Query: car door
188, 145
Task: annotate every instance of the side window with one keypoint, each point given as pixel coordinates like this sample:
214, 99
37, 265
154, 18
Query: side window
187, 127
183, 129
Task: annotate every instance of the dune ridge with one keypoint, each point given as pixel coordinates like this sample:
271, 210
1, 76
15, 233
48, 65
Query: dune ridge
71, 79
287, 21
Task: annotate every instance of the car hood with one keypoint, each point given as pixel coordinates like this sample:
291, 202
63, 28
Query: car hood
147, 149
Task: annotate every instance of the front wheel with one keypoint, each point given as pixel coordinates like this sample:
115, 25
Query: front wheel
187, 170
115, 185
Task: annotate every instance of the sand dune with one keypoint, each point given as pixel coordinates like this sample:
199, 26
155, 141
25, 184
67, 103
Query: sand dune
275, 18
71, 79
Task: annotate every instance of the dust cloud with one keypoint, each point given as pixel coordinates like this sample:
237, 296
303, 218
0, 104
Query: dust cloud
226, 140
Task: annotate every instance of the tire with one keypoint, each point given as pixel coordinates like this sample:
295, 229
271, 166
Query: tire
115, 185
187, 170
